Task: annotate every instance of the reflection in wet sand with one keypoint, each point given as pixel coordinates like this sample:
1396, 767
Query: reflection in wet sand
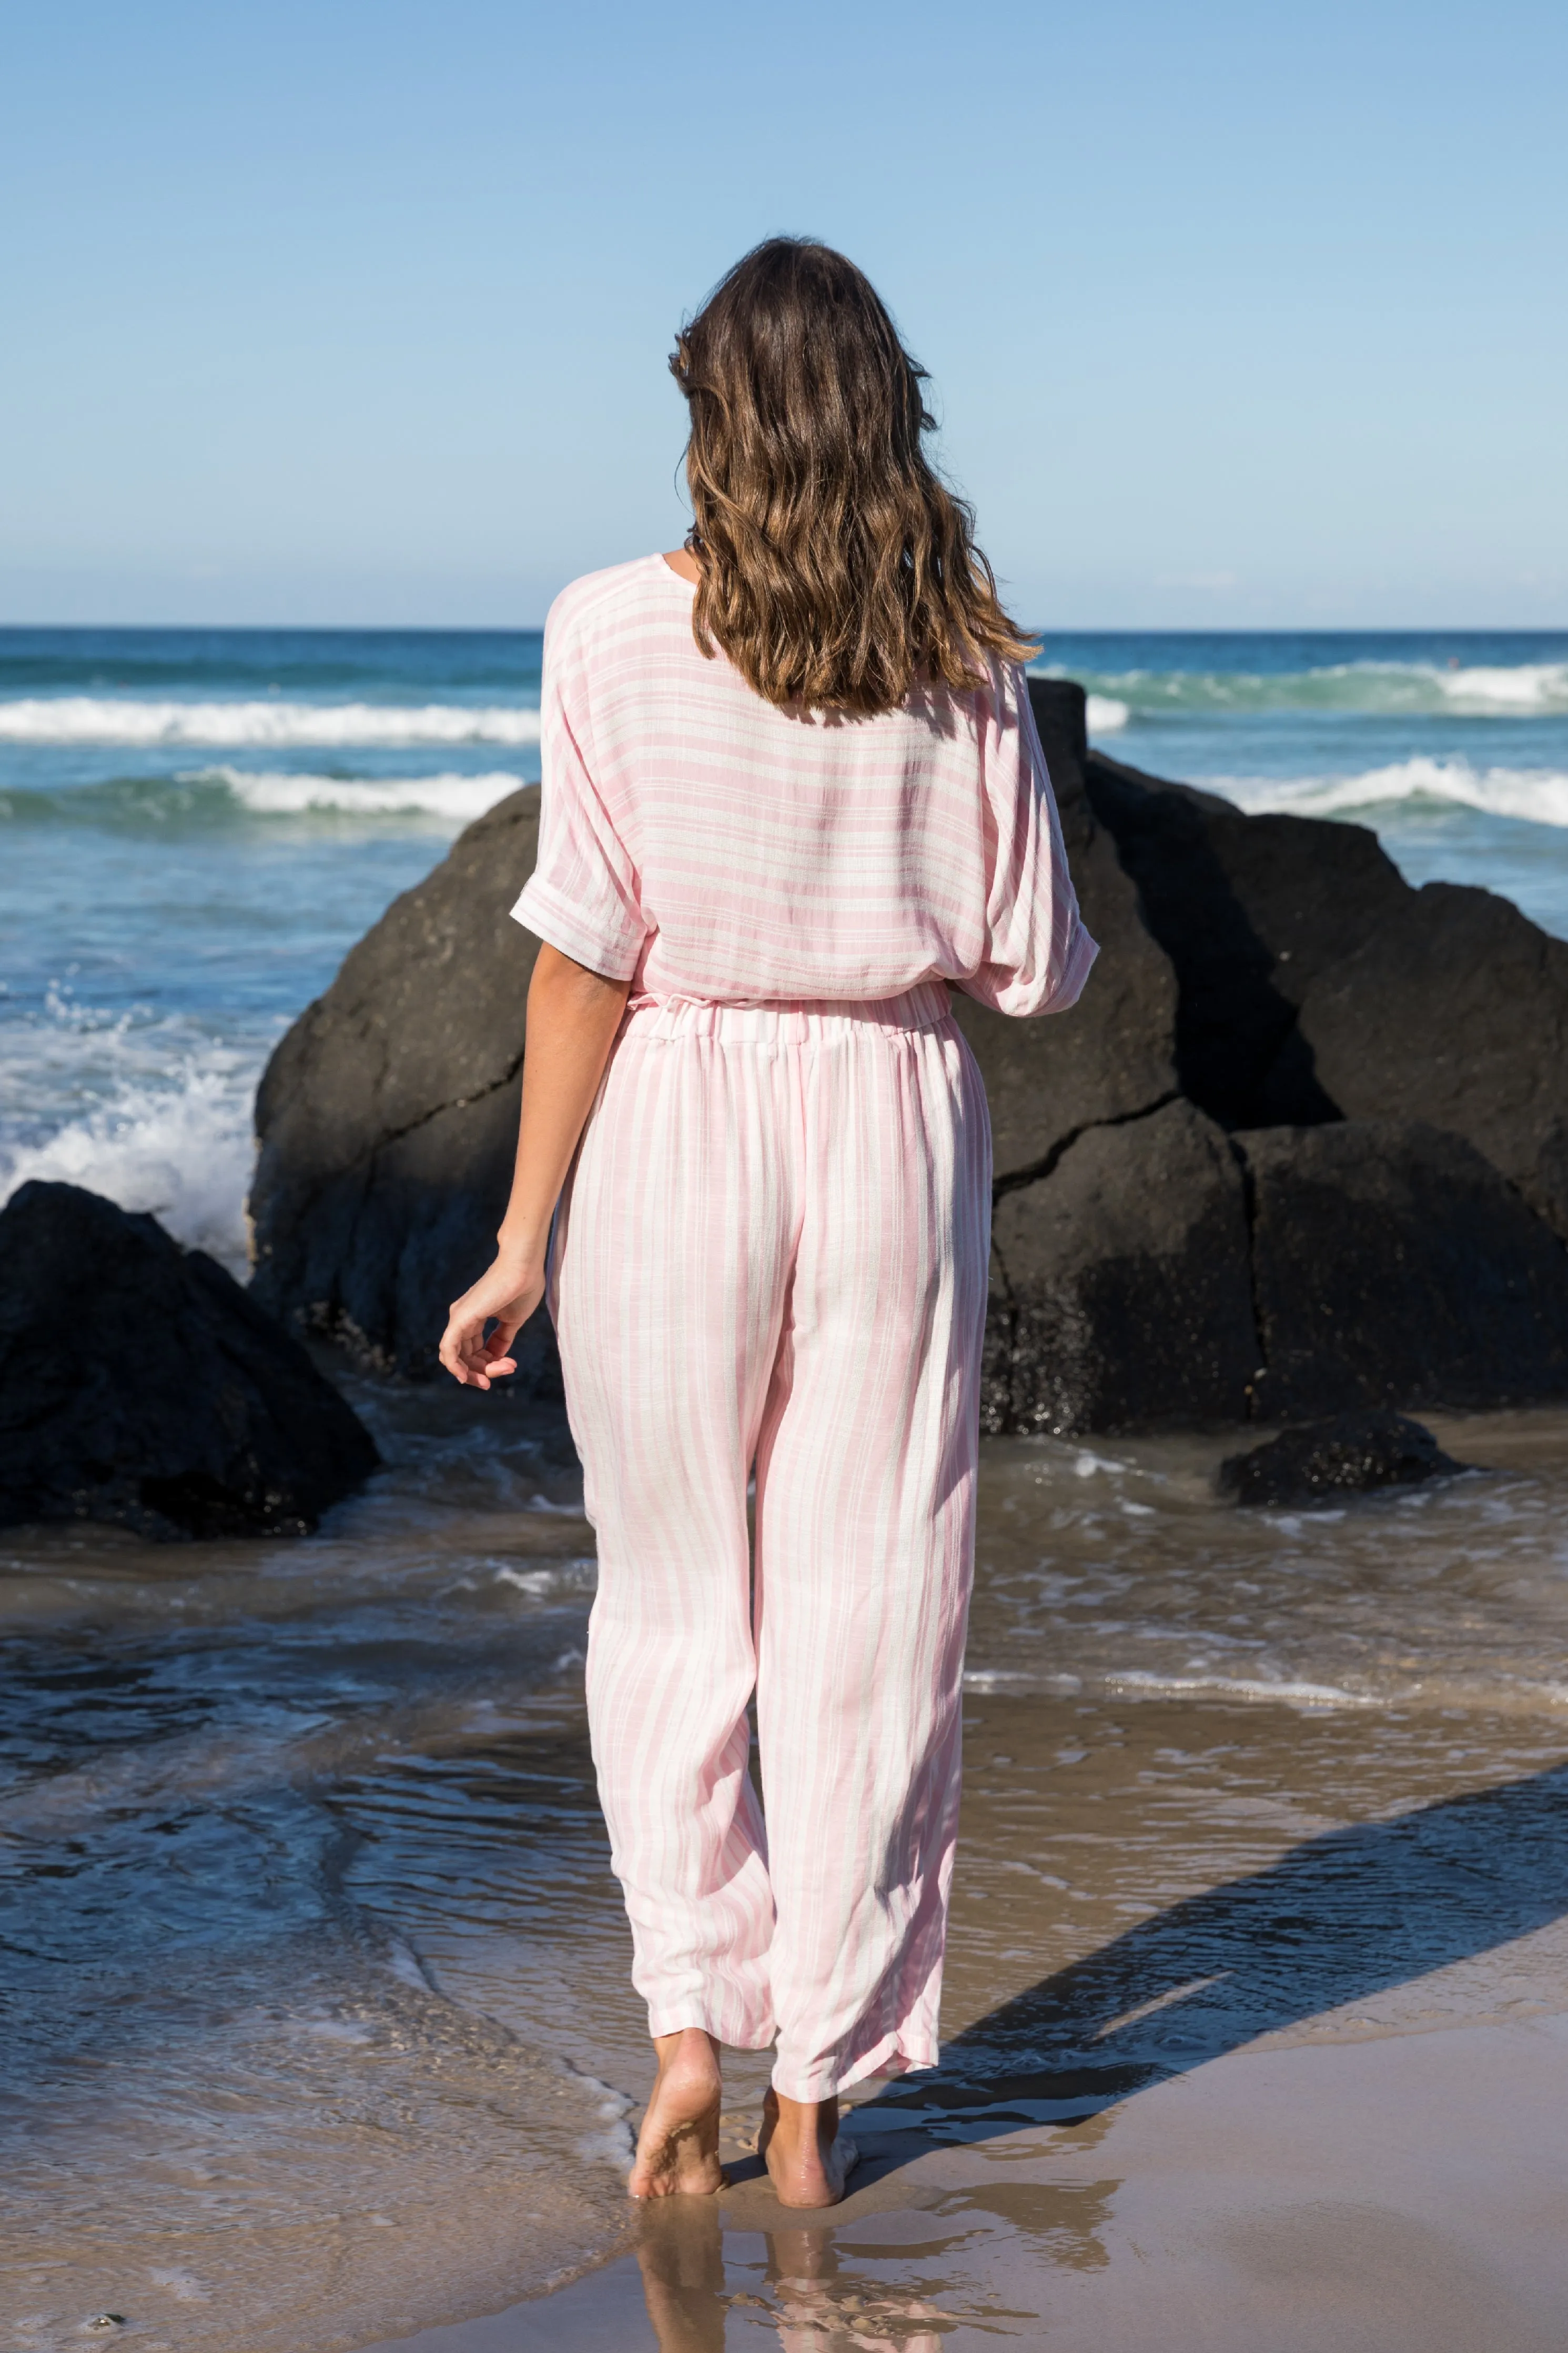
882, 2274
815, 2295
680, 2253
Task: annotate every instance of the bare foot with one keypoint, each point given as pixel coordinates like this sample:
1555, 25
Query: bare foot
799, 2142
678, 2147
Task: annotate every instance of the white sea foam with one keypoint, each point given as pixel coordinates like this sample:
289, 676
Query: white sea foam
1538, 796
615, 2144
103, 719
1523, 687
1368, 689
1141, 1682
184, 1151
1136, 1683
285, 794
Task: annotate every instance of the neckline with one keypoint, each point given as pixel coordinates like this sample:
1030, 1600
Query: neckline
669, 571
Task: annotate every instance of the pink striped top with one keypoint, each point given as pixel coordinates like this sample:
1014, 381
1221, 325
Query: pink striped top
702, 843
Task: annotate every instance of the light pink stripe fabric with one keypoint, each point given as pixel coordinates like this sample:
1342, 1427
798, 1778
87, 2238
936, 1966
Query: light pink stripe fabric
702, 843
774, 1249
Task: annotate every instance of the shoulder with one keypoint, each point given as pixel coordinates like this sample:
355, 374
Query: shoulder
1005, 712
994, 710
1007, 692
605, 604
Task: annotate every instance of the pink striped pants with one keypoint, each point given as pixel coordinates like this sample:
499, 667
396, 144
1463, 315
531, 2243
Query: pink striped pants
773, 1251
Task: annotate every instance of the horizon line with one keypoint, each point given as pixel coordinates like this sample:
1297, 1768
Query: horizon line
1048, 629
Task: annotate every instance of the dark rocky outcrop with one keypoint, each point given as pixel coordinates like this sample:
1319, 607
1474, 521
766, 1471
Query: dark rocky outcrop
1244, 907
1317, 983
1167, 1274
1393, 1265
1114, 1056
139, 1384
1121, 1291
1331, 1018
1453, 1007
1351, 1454
387, 1117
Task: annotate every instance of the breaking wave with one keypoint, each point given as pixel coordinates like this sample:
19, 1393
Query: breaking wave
221, 794
1537, 797
182, 1148
1355, 689
102, 719
287, 795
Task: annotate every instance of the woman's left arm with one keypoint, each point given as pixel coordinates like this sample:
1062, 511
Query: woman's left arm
573, 1017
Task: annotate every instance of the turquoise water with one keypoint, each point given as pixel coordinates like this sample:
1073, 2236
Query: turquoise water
1453, 745
197, 823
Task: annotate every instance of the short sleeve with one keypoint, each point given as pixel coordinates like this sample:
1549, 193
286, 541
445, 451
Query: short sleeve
582, 896
1037, 952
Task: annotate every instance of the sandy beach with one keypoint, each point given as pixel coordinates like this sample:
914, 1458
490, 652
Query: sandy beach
1254, 2013
1401, 2191
1383, 2168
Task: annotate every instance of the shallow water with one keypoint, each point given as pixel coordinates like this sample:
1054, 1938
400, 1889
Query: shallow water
315, 1973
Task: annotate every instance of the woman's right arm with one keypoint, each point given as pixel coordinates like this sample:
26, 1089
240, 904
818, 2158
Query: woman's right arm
1037, 952
573, 1017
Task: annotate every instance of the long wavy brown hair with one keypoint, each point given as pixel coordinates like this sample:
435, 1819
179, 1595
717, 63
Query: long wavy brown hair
838, 571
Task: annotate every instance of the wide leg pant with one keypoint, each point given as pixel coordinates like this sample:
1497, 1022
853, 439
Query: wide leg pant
773, 1253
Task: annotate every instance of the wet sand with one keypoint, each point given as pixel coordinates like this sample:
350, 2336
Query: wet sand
1406, 2195
1320, 2098
1256, 2010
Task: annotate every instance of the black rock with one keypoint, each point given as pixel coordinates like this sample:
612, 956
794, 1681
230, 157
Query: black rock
1120, 1293
388, 1116
1249, 910
139, 1384
1352, 1454
1112, 1055
1453, 1009
1393, 1266
1316, 984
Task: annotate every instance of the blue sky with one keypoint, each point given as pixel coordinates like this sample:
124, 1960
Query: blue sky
342, 313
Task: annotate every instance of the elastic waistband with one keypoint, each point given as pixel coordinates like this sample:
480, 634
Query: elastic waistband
798, 1023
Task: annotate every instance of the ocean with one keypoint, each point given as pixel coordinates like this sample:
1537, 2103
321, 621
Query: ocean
312, 1968
197, 823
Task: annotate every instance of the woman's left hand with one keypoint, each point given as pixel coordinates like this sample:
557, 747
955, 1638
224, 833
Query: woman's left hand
509, 1294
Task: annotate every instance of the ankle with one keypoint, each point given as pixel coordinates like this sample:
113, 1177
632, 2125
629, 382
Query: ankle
802, 2123
690, 2051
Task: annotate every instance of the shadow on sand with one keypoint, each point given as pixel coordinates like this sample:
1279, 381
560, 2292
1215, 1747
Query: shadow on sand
1337, 1920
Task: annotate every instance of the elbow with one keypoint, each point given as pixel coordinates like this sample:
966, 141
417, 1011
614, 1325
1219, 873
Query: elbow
1028, 996
1073, 971
562, 980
